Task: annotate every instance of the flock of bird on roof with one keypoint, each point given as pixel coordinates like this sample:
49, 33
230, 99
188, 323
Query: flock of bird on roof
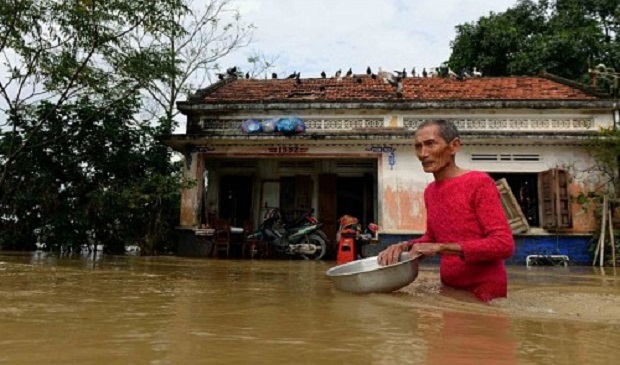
393, 78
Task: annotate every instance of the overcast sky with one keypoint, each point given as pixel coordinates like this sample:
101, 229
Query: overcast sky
314, 35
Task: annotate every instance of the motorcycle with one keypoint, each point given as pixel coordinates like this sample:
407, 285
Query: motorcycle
301, 237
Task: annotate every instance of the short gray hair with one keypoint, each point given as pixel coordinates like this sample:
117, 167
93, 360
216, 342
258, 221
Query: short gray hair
447, 129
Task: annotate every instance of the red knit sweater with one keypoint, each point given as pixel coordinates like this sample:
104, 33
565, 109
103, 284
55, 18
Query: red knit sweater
467, 210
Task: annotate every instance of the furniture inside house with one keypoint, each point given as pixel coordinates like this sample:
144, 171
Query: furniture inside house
249, 246
221, 237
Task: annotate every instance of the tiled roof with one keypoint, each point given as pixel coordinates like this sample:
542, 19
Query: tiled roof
364, 88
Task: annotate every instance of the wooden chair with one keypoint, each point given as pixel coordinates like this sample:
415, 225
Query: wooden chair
249, 247
221, 237
252, 247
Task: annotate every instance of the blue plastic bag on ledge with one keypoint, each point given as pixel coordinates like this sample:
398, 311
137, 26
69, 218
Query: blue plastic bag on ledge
270, 125
291, 125
251, 126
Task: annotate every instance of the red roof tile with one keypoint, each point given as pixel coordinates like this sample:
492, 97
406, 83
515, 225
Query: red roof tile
414, 88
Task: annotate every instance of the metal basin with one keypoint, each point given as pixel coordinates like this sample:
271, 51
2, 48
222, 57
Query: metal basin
367, 276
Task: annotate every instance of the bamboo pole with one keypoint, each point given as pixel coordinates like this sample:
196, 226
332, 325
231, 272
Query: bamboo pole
601, 262
596, 250
611, 238
600, 246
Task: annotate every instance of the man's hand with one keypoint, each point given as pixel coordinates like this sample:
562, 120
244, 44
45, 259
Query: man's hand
391, 254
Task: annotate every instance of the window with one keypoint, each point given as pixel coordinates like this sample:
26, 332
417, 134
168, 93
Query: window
542, 199
524, 188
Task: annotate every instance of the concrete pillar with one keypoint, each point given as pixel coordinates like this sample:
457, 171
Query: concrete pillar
191, 197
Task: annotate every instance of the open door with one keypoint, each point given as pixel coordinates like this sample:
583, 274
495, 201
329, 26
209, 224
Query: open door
516, 218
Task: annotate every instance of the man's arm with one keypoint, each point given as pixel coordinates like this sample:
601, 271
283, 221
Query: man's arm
497, 243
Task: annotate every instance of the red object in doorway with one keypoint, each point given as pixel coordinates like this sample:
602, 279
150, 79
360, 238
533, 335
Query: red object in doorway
346, 250
347, 234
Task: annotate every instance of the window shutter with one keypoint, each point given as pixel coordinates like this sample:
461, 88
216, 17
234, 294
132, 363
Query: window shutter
516, 218
555, 199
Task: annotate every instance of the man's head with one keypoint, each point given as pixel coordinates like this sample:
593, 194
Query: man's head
436, 144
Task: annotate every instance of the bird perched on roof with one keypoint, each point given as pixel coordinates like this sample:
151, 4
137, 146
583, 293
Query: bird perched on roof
402, 74
477, 73
390, 78
323, 74
452, 74
293, 75
384, 74
413, 74
274, 75
350, 72
232, 71
399, 89
368, 71
338, 73
424, 73
247, 75
220, 76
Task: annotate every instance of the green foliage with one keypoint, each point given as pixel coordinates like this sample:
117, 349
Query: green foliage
60, 51
73, 157
562, 37
605, 149
110, 180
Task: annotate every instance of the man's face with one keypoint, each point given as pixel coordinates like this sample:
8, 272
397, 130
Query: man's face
432, 150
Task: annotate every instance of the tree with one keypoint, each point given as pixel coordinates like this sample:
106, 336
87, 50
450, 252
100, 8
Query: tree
212, 31
73, 155
104, 183
76, 158
61, 51
562, 37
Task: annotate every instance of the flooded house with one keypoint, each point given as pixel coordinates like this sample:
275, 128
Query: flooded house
354, 154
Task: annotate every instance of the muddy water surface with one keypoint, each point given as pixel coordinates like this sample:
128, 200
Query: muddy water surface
169, 310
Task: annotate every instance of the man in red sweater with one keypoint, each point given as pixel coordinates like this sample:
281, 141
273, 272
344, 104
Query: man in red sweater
466, 223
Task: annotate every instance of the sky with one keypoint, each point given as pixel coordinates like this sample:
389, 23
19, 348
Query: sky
309, 36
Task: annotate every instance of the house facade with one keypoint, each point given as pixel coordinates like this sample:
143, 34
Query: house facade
356, 154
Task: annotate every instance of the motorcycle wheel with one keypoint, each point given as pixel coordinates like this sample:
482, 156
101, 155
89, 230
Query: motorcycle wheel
322, 234
321, 247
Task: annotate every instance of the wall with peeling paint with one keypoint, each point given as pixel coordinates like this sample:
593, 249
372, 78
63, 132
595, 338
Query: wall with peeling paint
403, 185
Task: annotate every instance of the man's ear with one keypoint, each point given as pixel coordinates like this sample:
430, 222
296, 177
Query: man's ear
455, 146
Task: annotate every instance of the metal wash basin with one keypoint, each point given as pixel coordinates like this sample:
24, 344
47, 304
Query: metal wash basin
367, 276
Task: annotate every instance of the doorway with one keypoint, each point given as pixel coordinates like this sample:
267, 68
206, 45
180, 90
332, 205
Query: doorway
354, 197
235, 200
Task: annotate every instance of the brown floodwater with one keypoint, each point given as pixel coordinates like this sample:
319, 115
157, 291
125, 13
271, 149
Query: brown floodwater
171, 310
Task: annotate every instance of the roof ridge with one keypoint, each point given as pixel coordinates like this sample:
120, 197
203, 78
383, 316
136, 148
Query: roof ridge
201, 93
577, 85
